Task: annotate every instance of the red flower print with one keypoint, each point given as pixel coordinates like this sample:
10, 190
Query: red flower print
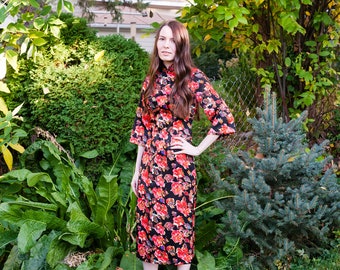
183, 253
171, 250
178, 125
166, 115
164, 134
141, 204
170, 202
171, 75
168, 177
183, 160
230, 118
182, 207
177, 236
159, 228
161, 161
177, 188
178, 221
199, 97
161, 100
160, 181
145, 223
139, 130
162, 256
178, 173
210, 113
141, 189
158, 193
146, 157
142, 250
193, 85
161, 209
169, 226
208, 87
142, 236
146, 119
167, 89
145, 177
193, 173
227, 130
160, 144
158, 240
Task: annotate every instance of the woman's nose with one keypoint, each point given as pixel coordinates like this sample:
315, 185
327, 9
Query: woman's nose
166, 43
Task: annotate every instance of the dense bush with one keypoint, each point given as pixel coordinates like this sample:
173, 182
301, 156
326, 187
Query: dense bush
84, 92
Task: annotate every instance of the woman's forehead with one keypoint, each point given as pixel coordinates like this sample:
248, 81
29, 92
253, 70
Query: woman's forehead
166, 31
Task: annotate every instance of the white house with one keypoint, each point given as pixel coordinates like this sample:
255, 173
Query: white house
134, 24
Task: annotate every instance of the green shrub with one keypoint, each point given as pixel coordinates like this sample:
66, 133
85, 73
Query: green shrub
286, 200
85, 91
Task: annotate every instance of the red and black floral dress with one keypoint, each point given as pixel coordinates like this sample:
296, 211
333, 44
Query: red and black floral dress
167, 182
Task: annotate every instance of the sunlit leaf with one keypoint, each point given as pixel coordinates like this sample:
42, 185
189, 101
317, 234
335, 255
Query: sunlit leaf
207, 37
68, 6
7, 157
3, 106
99, 56
38, 23
24, 46
12, 58
17, 147
39, 41
3, 87
17, 109
55, 30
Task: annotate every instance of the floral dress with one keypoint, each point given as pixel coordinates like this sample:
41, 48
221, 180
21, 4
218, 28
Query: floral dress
166, 187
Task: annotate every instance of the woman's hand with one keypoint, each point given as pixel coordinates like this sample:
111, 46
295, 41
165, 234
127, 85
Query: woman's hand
134, 183
181, 146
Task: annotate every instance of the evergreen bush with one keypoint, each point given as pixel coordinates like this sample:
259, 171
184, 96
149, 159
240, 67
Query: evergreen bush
287, 199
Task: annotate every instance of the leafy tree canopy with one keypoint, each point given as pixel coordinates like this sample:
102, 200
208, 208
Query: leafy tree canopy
292, 45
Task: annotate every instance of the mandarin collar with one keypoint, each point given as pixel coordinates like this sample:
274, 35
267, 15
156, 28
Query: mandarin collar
170, 69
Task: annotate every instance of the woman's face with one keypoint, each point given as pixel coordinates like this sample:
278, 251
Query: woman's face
166, 46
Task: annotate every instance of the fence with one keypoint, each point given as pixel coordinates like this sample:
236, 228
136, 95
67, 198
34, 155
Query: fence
239, 93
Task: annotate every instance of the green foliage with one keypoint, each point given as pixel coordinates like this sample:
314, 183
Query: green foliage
32, 28
292, 46
75, 30
285, 200
54, 209
329, 260
10, 133
74, 89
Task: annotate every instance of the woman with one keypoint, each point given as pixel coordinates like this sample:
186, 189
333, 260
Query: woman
165, 178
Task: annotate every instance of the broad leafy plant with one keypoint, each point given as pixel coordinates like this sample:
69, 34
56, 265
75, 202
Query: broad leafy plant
50, 209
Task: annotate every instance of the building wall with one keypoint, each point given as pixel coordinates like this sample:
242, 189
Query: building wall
134, 25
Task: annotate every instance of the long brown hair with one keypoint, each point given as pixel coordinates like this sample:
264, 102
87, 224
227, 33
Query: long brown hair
181, 97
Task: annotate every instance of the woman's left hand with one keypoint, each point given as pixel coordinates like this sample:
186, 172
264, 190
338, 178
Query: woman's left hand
181, 146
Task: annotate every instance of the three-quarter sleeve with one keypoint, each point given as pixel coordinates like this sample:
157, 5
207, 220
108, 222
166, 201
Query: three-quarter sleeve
215, 108
142, 124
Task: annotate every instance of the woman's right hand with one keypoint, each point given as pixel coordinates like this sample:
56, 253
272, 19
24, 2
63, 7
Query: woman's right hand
134, 182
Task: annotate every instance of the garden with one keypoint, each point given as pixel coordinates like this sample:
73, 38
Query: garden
268, 196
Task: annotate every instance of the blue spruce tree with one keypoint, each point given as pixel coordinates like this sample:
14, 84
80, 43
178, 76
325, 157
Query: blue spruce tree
286, 201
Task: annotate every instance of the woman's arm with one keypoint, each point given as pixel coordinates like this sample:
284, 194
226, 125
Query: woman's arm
184, 147
134, 181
